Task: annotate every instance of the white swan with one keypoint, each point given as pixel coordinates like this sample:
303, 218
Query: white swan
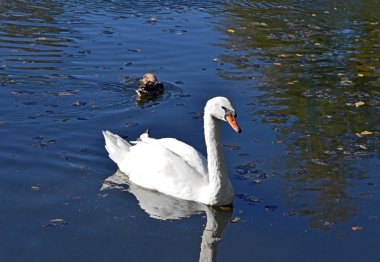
175, 168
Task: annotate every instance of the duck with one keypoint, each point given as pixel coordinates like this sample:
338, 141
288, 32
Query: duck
150, 87
175, 168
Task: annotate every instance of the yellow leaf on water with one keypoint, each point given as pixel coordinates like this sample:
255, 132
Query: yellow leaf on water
230, 30
366, 132
356, 228
360, 103
360, 75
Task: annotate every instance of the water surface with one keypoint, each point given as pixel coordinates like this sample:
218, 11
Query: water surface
303, 76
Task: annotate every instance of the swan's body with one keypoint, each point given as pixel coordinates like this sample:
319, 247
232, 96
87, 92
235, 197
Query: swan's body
175, 168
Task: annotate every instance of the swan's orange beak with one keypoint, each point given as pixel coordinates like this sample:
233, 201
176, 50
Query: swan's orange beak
232, 121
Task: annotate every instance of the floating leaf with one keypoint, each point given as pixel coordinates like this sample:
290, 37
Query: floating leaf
257, 181
356, 228
235, 219
319, 161
360, 74
230, 30
360, 103
57, 220
364, 133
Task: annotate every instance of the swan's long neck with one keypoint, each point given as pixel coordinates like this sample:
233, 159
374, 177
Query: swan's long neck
220, 188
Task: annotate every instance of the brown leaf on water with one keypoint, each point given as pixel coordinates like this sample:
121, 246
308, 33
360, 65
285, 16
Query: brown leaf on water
277, 64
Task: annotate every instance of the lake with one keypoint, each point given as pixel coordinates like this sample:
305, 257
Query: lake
303, 76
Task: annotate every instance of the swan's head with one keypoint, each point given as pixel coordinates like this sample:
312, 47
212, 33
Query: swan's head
222, 109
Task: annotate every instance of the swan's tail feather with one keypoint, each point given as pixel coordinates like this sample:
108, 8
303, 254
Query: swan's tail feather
115, 146
144, 137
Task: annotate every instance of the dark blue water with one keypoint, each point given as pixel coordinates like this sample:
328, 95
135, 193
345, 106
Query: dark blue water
304, 79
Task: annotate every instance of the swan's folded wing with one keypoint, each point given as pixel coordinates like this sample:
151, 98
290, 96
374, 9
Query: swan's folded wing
153, 166
188, 153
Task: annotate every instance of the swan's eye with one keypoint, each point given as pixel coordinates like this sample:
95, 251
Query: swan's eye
228, 112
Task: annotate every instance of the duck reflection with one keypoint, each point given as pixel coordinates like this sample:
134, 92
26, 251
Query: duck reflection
163, 207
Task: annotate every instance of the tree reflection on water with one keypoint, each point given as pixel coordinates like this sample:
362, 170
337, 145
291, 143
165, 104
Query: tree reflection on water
318, 67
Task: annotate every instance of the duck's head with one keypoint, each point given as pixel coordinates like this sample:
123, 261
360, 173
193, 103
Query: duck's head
148, 77
222, 109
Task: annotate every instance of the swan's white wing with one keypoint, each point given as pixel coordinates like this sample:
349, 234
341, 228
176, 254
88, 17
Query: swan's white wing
188, 153
153, 166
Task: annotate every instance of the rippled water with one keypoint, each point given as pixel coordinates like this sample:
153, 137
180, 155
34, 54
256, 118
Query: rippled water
304, 78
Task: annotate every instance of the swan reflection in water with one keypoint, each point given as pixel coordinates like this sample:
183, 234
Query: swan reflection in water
164, 207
